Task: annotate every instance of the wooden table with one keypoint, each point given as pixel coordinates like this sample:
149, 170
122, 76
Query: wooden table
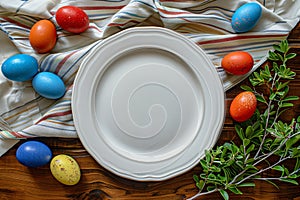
19, 182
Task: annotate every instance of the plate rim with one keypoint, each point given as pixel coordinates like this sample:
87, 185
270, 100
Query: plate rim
75, 93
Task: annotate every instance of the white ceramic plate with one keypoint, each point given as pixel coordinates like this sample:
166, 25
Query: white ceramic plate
147, 102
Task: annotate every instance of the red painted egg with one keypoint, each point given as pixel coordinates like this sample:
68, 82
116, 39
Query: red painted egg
72, 19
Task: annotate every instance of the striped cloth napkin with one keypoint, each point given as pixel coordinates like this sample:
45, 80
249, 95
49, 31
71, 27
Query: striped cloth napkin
25, 114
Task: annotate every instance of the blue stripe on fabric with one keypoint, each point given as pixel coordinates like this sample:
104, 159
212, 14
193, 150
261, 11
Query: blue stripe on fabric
35, 100
61, 129
14, 27
75, 62
145, 3
239, 47
216, 8
47, 62
112, 0
102, 15
194, 17
131, 14
6, 33
24, 133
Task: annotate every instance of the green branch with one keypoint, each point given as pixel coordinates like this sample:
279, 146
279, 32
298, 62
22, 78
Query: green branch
229, 167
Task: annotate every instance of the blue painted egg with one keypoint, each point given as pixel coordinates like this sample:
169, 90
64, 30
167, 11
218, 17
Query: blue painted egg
49, 85
246, 17
33, 154
20, 67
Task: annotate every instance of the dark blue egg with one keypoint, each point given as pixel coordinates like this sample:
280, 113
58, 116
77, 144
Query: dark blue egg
246, 17
33, 154
20, 67
49, 85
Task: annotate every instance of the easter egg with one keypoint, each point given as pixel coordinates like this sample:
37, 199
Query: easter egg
65, 169
49, 85
20, 67
237, 63
33, 154
72, 19
42, 36
246, 17
243, 106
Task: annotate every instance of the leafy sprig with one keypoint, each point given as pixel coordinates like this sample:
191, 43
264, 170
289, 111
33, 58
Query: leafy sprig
266, 142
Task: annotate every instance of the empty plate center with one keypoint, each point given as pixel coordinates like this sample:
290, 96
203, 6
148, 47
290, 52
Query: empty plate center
145, 107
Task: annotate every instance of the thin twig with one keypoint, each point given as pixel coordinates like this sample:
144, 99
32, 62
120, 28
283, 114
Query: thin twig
202, 194
262, 170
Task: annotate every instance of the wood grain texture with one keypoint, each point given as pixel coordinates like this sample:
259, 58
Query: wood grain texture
19, 182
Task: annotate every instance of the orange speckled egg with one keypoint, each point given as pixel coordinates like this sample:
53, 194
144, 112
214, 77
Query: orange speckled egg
237, 63
42, 36
243, 106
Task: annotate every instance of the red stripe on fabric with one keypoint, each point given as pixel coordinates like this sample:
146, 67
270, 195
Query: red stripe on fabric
209, 25
172, 12
15, 22
54, 115
96, 28
17, 135
60, 64
96, 8
100, 7
173, 1
239, 37
116, 24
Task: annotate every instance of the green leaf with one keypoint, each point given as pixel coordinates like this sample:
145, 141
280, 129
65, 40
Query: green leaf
297, 165
246, 142
277, 48
246, 88
284, 46
291, 98
227, 175
286, 170
203, 164
200, 185
275, 67
224, 194
196, 178
278, 168
293, 176
261, 98
235, 190
290, 56
295, 153
212, 177
286, 105
239, 131
211, 188
246, 185
290, 142
280, 57
250, 167
273, 56
282, 85
249, 132
256, 125
207, 156
289, 181
250, 149
272, 96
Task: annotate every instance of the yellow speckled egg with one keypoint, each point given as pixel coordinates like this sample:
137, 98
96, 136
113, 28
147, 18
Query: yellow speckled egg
65, 169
